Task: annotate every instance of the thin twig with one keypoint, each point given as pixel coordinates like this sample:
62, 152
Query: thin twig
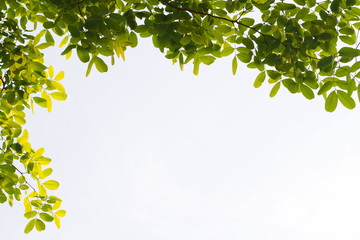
221, 18
22, 174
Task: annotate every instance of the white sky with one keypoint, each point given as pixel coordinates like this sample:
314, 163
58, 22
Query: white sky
146, 151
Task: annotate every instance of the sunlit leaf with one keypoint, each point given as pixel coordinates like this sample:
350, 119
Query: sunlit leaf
51, 184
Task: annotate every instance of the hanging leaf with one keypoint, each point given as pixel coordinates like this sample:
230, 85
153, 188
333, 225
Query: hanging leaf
100, 64
331, 102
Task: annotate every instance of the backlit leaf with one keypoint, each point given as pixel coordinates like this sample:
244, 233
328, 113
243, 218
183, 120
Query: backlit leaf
51, 184
275, 89
30, 226
60, 76
331, 102
346, 100
100, 64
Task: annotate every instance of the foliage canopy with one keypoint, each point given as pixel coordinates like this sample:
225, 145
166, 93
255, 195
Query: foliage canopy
306, 46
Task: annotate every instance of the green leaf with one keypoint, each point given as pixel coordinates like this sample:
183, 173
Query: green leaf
284, 6
90, 64
20, 120
40, 101
291, 85
234, 65
350, 2
310, 3
185, 40
300, 2
331, 102
259, 79
51, 184
46, 217
355, 67
64, 41
83, 54
227, 51
326, 87
49, 38
207, 59
38, 66
3, 197
334, 6
306, 91
100, 64
30, 226
347, 39
196, 67
275, 89
346, 99
39, 225
247, 21
60, 96
30, 214
325, 62
48, 24
74, 31
349, 52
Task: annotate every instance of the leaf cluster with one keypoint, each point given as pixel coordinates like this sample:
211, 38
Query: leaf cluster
303, 46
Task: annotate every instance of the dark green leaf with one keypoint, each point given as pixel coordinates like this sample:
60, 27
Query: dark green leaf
83, 54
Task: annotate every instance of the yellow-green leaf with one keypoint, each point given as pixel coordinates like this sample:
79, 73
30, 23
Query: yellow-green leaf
57, 221
30, 214
43, 160
100, 64
45, 96
39, 153
57, 205
307, 92
51, 184
88, 70
61, 213
30, 226
39, 225
51, 71
46, 217
63, 42
275, 89
60, 76
234, 65
196, 67
346, 99
60, 96
19, 119
58, 86
259, 79
45, 173
331, 102
40, 101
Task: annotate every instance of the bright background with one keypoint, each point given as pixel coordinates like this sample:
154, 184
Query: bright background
147, 152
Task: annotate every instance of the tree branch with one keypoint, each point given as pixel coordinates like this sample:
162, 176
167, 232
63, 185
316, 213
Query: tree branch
22, 174
221, 18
